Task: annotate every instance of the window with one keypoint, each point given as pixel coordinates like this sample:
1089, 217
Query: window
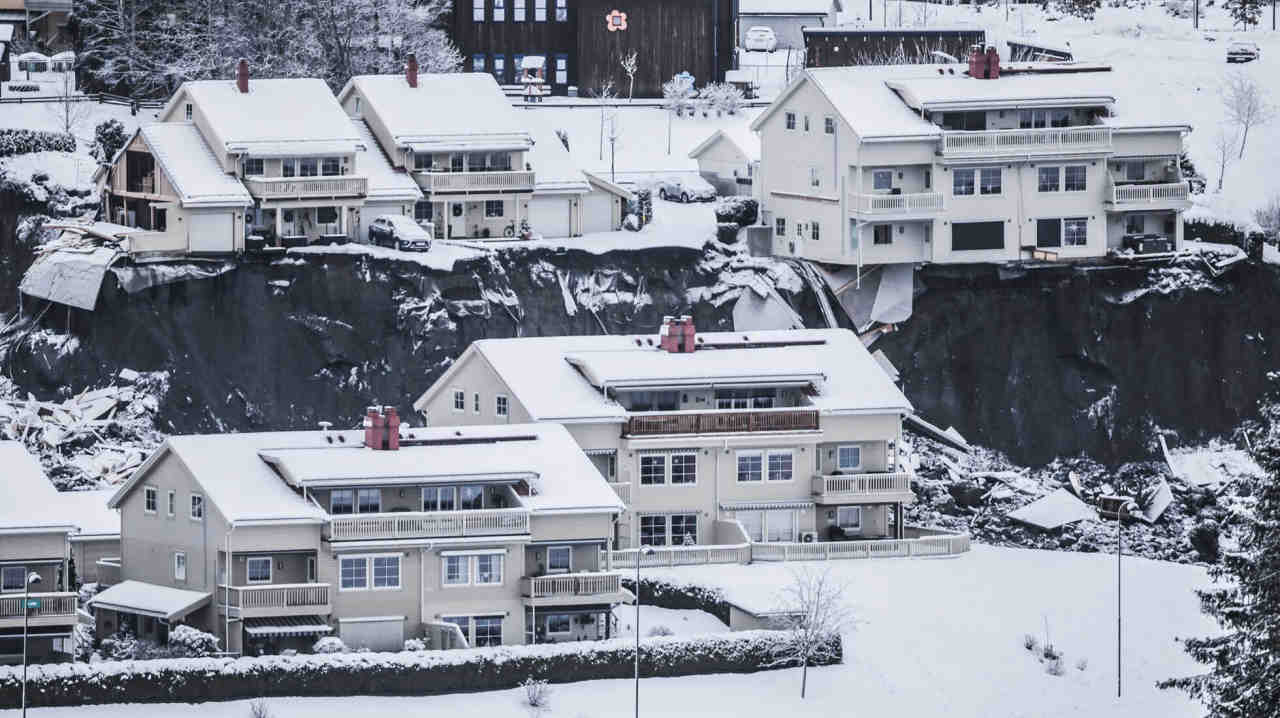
791, 120
500, 68
517, 10
488, 631
1135, 171
750, 466
353, 573
190, 111
540, 10
258, 569
990, 180
500, 161
12, 578
815, 232
849, 458
330, 166
179, 566
849, 517
806, 123
562, 10
1075, 232
882, 234
501, 405
882, 180
171, 502
311, 569
369, 501
1060, 118
684, 529
559, 623
489, 569
477, 62
475, 402
288, 168
780, 226
928, 179
653, 530
252, 167
150, 499
1048, 233
746, 398
1031, 119
1049, 179
386, 572
472, 498
684, 468
962, 182
499, 10
197, 507
342, 501
493, 208
423, 212
780, 465
477, 10
559, 559
1134, 224
456, 570
815, 177
829, 125
308, 167
562, 70
968, 236
653, 469
438, 498
459, 400
1075, 178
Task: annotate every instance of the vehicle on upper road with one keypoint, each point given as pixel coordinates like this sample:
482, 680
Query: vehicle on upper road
760, 39
684, 188
1241, 51
400, 232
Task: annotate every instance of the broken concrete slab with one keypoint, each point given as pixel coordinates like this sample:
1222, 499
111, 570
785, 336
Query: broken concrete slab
1053, 510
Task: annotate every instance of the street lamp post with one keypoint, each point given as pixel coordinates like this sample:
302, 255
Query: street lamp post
1121, 511
33, 578
644, 551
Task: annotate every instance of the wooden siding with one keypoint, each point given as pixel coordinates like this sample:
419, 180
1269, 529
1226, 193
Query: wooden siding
857, 47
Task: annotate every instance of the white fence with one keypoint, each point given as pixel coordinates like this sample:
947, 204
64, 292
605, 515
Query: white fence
432, 524
1035, 141
932, 545
1150, 193
889, 204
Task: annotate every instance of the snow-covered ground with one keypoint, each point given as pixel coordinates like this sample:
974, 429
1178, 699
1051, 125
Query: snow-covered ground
49, 116
933, 638
679, 621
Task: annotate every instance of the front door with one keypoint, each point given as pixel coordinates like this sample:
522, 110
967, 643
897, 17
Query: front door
457, 220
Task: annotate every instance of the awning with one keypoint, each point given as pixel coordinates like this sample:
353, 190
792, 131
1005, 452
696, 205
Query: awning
766, 505
601, 452
286, 626
149, 599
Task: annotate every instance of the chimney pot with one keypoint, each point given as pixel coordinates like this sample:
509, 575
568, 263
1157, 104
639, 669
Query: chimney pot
242, 76
411, 70
677, 336
392, 428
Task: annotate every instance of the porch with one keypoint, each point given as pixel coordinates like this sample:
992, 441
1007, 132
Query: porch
915, 542
475, 216
292, 225
42, 609
881, 487
273, 600
1126, 196
573, 589
562, 624
890, 206
1034, 141
428, 524
317, 187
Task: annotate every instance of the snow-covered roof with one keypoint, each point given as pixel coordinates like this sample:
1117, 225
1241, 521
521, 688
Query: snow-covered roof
553, 167
788, 7
863, 29
276, 117
192, 168
385, 181
599, 182
552, 377
961, 92
1052, 510
31, 501
150, 599
742, 137
89, 512
446, 112
6, 34
861, 97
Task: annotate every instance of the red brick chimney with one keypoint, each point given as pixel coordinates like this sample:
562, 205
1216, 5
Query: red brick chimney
393, 428
242, 76
373, 429
411, 70
984, 65
677, 335
993, 63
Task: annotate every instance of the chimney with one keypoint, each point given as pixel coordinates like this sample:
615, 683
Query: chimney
373, 430
242, 76
411, 70
993, 63
393, 428
677, 335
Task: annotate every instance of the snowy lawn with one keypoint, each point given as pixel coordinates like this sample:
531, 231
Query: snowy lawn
681, 622
49, 116
936, 638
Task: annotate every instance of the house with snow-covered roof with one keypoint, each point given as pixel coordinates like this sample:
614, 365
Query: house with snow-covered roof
952, 164
459, 536
714, 438
729, 159
787, 18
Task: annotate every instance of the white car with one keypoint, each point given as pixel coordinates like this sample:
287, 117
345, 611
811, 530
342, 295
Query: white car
1240, 51
400, 232
760, 39
684, 188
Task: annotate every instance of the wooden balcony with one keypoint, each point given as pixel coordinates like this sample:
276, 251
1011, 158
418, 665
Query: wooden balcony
677, 555
1045, 141
508, 181
886, 487
429, 524
330, 187
729, 421
924, 204
623, 491
1164, 195
54, 609
568, 589
277, 599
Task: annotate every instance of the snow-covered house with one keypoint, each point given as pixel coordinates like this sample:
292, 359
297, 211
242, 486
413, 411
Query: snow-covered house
788, 436
786, 18
460, 537
947, 164
729, 159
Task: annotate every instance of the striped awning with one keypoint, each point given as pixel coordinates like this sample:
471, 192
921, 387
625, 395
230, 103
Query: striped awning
665, 452
601, 452
286, 626
766, 505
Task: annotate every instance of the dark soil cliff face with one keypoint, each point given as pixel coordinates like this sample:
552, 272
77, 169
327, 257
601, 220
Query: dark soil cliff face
1054, 365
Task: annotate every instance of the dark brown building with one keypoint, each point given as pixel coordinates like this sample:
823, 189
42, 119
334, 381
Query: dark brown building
845, 46
670, 36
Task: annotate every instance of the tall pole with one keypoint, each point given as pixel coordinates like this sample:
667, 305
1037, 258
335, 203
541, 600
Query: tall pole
1119, 513
638, 554
26, 593
1195, 15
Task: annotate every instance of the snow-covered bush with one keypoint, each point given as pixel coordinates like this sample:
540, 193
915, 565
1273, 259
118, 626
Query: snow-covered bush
122, 646
188, 642
415, 644
721, 98
660, 631
329, 644
259, 709
1082, 664
664, 594
1030, 643
1050, 653
108, 137
631, 223
21, 142
1053, 667
536, 692
83, 634
743, 211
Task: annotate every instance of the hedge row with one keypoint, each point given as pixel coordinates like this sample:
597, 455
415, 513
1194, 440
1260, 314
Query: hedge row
664, 594
21, 142
1213, 231
389, 674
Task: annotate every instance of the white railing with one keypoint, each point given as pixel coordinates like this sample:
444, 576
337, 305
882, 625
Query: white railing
677, 556
474, 181
869, 484
895, 203
432, 524
623, 491
1149, 193
334, 186
51, 605
572, 584
940, 545
279, 595
1055, 139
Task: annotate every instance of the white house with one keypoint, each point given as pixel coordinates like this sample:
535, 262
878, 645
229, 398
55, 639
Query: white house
927, 163
786, 18
729, 159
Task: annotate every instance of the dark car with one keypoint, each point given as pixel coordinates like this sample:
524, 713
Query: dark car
399, 232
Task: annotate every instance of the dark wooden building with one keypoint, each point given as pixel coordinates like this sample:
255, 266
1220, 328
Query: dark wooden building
846, 46
669, 37
1021, 50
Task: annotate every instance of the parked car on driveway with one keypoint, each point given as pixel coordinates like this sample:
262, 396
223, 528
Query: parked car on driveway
760, 39
1240, 51
400, 232
684, 188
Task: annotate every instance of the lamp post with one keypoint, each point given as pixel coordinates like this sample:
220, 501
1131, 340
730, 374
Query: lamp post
1121, 511
644, 551
33, 578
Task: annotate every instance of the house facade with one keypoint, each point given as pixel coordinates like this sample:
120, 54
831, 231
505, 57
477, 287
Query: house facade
481, 536
729, 160
922, 163
710, 439
787, 18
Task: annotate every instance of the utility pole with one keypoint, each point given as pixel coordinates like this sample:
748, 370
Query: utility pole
1195, 15
1119, 513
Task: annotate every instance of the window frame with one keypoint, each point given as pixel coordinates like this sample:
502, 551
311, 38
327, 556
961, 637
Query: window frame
789, 121
499, 6
957, 184
651, 518
828, 125
365, 578
855, 510
748, 454
248, 572
478, 62
1057, 178
495, 209
877, 230
876, 175
373, 572
439, 491
840, 449
815, 176
500, 571
518, 13
171, 503
477, 11
501, 405
671, 468
685, 517
815, 231
568, 621
985, 189
539, 10
255, 163
561, 69
1084, 178
190, 111
1075, 240
661, 476
150, 500
180, 566
311, 569
768, 468
360, 495
22, 579
475, 631
568, 550
779, 226
1129, 218
197, 507
459, 401
333, 493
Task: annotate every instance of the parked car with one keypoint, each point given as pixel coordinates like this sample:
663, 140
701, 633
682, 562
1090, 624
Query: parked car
1240, 51
400, 232
760, 39
684, 188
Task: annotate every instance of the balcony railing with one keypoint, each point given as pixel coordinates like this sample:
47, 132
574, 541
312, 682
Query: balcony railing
429, 524
1140, 194
895, 204
51, 609
279, 599
623, 491
677, 555
571, 584
925, 542
852, 487
1021, 142
475, 181
307, 187
733, 421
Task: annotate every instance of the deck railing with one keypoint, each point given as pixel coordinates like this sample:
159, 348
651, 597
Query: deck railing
429, 524
623, 491
307, 597
307, 187
731, 421
1150, 193
571, 584
474, 181
677, 556
49, 607
891, 204
927, 544
1029, 141
862, 484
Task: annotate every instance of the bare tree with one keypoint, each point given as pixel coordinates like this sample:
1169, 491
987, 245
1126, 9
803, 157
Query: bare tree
630, 66
1224, 145
612, 135
1246, 105
1268, 217
70, 110
812, 610
603, 95
675, 96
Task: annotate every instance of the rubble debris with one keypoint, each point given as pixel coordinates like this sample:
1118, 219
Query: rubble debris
1208, 466
1053, 511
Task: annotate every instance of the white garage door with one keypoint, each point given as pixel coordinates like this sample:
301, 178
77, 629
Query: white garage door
376, 634
597, 212
210, 233
549, 216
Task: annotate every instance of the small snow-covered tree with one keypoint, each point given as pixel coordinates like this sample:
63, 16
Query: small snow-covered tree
1245, 104
329, 644
70, 111
188, 642
1083, 9
108, 137
603, 95
630, 66
813, 611
1244, 13
1224, 149
675, 98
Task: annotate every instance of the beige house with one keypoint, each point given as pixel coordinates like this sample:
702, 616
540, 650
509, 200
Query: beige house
729, 159
716, 438
478, 536
927, 163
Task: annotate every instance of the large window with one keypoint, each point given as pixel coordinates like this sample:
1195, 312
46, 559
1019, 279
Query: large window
559, 624
540, 10
962, 182
849, 458
252, 167
197, 507
977, 235
342, 501
559, 559
1135, 171
477, 10
849, 517
1135, 224
517, 10
386, 571
257, 569
990, 180
488, 631
472, 498
1032, 119
1048, 233
369, 501
494, 208
1075, 231
489, 569
684, 529
423, 212
781, 465
562, 10
1049, 179
499, 10
457, 570
473, 569
439, 498
353, 573
1059, 118
331, 166
746, 398
653, 469
882, 234
12, 578
653, 530
882, 180
1075, 178
562, 70
750, 466
308, 167
684, 468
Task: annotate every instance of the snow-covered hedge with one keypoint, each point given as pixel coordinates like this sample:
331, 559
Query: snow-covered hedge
403, 674
664, 594
21, 142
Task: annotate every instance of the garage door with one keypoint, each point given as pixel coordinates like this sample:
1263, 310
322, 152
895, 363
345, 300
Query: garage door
549, 216
376, 634
210, 233
597, 212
